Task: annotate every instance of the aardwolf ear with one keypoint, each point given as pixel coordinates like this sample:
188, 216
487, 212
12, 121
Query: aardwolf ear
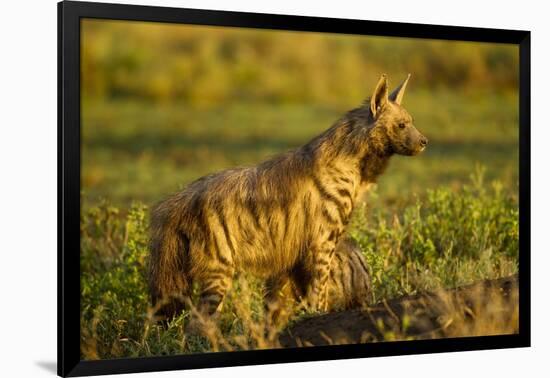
380, 96
397, 95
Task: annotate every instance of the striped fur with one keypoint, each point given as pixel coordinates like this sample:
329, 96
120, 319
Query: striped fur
349, 283
280, 219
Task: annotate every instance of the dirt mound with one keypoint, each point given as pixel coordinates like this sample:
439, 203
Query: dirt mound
484, 308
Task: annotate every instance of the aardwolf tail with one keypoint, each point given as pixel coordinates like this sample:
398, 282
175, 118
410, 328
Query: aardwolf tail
168, 285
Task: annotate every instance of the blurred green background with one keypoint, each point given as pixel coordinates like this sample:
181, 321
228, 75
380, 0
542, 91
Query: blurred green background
165, 104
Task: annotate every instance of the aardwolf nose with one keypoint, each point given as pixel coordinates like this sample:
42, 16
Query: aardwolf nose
423, 142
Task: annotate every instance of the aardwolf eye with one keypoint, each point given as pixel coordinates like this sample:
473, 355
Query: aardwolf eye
401, 125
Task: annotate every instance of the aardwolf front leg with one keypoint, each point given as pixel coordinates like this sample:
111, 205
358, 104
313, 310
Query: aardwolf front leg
318, 292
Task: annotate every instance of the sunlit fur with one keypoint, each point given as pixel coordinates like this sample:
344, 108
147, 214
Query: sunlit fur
281, 218
348, 286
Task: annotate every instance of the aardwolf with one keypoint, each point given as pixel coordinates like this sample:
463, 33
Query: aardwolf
281, 218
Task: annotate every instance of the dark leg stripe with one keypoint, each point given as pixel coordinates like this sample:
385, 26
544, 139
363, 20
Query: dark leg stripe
344, 179
332, 276
341, 215
344, 193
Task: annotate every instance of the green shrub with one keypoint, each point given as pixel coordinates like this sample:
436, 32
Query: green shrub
447, 239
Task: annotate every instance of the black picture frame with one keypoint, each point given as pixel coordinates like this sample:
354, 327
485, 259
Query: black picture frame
69, 16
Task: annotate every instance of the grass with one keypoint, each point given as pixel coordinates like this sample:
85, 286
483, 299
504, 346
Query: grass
449, 239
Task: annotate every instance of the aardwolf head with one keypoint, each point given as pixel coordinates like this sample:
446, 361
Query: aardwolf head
392, 122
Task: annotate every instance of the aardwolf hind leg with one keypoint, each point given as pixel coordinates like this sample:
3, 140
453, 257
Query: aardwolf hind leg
214, 287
